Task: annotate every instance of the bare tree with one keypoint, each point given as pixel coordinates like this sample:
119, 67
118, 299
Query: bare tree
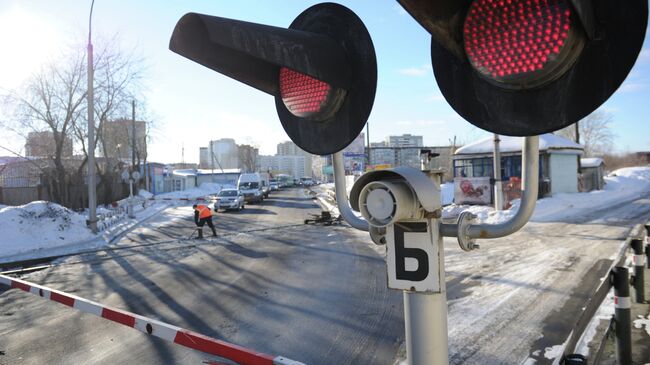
55, 100
248, 157
117, 76
51, 100
595, 133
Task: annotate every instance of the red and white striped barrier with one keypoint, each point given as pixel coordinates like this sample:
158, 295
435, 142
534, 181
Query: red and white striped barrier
150, 326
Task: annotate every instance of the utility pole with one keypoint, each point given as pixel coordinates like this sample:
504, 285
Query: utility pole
92, 193
368, 141
133, 135
498, 184
577, 129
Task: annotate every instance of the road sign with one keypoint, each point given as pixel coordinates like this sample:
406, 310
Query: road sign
413, 256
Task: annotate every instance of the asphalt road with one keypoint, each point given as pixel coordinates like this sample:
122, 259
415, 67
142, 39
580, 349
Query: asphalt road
517, 298
270, 283
313, 294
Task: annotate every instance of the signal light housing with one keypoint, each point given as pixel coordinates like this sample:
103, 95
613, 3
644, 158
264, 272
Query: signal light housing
521, 44
322, 71
528, 67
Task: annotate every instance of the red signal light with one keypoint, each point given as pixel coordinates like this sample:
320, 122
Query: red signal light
521, 43
308, 97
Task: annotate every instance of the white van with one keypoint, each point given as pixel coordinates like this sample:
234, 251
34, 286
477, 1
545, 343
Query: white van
266, 183
251, 186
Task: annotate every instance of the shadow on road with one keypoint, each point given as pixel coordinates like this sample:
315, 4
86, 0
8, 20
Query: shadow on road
248, 210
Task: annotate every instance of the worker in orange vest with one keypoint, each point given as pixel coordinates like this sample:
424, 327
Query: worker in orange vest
203, 215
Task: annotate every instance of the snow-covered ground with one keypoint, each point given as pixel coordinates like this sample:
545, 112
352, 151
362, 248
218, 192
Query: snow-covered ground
32, 230
41, 228
620, 186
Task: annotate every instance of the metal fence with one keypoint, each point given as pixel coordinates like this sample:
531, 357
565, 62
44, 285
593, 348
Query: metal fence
619, 279
19, 190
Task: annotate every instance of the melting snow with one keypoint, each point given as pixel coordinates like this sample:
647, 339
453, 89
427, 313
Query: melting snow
643, 322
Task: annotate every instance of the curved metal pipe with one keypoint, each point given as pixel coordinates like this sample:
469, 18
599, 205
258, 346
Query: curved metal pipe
342, 195
530, 174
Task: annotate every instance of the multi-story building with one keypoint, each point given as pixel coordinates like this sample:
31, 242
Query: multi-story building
408, 156
290, 165
405, 140
289, 148
42, 144
204, 158
223, 153
117, 139
381, 154
297, 156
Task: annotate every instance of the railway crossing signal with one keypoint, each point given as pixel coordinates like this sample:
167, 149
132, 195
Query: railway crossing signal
528, 67
322, 70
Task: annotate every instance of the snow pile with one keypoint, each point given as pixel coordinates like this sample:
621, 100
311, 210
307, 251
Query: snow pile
40, 224
643, 322
620, 186
483, 213
447, 191
144, 194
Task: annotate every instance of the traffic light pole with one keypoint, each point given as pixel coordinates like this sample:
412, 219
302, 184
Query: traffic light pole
92, 193
425, 315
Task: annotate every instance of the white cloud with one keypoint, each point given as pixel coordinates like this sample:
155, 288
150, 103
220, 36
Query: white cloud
415, 71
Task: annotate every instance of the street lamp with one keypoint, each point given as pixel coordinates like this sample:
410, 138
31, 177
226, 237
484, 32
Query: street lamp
92, 193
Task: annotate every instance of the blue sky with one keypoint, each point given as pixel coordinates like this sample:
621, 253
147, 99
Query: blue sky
192, 104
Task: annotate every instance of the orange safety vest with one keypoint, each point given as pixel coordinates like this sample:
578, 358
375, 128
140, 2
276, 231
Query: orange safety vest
204, 212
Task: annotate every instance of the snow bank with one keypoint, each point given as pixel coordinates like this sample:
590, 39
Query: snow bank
621, 185
447, 191
144, 194
40, 224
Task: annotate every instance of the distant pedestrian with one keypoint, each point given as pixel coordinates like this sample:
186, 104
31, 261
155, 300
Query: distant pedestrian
203, 215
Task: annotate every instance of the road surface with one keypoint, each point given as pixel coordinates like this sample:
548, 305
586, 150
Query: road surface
517, 298
269, 282
314, 294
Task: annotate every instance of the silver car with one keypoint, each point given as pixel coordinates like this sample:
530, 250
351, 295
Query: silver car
229, 199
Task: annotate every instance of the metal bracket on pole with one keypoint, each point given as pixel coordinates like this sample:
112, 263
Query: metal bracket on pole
342, 196
466, 243
530, 172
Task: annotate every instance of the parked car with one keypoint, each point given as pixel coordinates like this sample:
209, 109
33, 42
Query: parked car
251, 186
229, 199
306, 181
273, 185
264, 180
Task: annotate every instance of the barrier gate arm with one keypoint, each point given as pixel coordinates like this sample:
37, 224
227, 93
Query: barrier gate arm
168, 332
